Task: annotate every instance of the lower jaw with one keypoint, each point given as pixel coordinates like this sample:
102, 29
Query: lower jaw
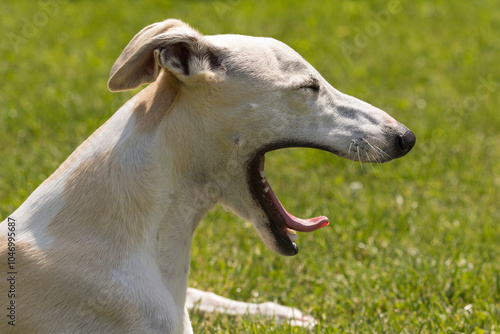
285, 247
283, 244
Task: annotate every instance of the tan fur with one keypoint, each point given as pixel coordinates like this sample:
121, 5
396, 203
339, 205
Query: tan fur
76, 153
155, 103
64, 275
59, 291
94, 194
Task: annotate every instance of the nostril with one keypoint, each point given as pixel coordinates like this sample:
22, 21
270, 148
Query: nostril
407, 141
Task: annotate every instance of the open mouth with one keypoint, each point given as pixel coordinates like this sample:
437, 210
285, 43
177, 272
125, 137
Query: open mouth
282, 224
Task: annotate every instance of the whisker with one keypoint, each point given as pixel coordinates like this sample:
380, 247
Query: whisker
374, 149
377, 154
217, 214
359, 159
373, 158
378, 150
379, 163
349, 152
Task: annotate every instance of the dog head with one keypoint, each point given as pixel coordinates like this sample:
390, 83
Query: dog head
246, 96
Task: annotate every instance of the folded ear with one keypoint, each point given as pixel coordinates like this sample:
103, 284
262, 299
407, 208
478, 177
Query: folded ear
170, 44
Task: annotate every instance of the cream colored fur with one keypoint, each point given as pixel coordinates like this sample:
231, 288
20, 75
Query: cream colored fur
103, 245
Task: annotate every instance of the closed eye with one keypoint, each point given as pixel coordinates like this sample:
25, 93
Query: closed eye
312, 84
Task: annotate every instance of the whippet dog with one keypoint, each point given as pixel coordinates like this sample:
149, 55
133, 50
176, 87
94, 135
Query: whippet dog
103, 245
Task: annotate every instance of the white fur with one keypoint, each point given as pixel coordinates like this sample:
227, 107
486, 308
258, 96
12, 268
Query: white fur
118, 217
210, 302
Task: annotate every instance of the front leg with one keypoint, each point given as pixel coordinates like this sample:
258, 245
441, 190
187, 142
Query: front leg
210, 302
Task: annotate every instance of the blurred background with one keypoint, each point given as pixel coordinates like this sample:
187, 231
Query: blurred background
413, 245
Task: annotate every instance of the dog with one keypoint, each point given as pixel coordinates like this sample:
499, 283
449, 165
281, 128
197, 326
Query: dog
103, 245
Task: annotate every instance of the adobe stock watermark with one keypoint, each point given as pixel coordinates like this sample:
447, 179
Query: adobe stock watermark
452, 119
223, 7
11, 273
456, 115
371, 29
31, 26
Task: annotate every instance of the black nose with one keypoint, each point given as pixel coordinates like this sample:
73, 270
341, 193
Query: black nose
407, 141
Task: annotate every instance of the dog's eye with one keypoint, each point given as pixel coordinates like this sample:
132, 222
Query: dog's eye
311, 85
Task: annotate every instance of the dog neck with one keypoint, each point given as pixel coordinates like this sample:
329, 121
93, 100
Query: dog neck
124, 198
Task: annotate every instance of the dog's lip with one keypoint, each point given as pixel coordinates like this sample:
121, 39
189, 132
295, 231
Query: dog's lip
280, 221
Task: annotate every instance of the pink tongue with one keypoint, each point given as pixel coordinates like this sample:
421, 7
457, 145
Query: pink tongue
297, 224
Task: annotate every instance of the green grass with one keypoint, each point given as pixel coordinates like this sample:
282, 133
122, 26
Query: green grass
413, 245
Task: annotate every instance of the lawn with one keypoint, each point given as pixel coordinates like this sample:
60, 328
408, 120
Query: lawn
413, 245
